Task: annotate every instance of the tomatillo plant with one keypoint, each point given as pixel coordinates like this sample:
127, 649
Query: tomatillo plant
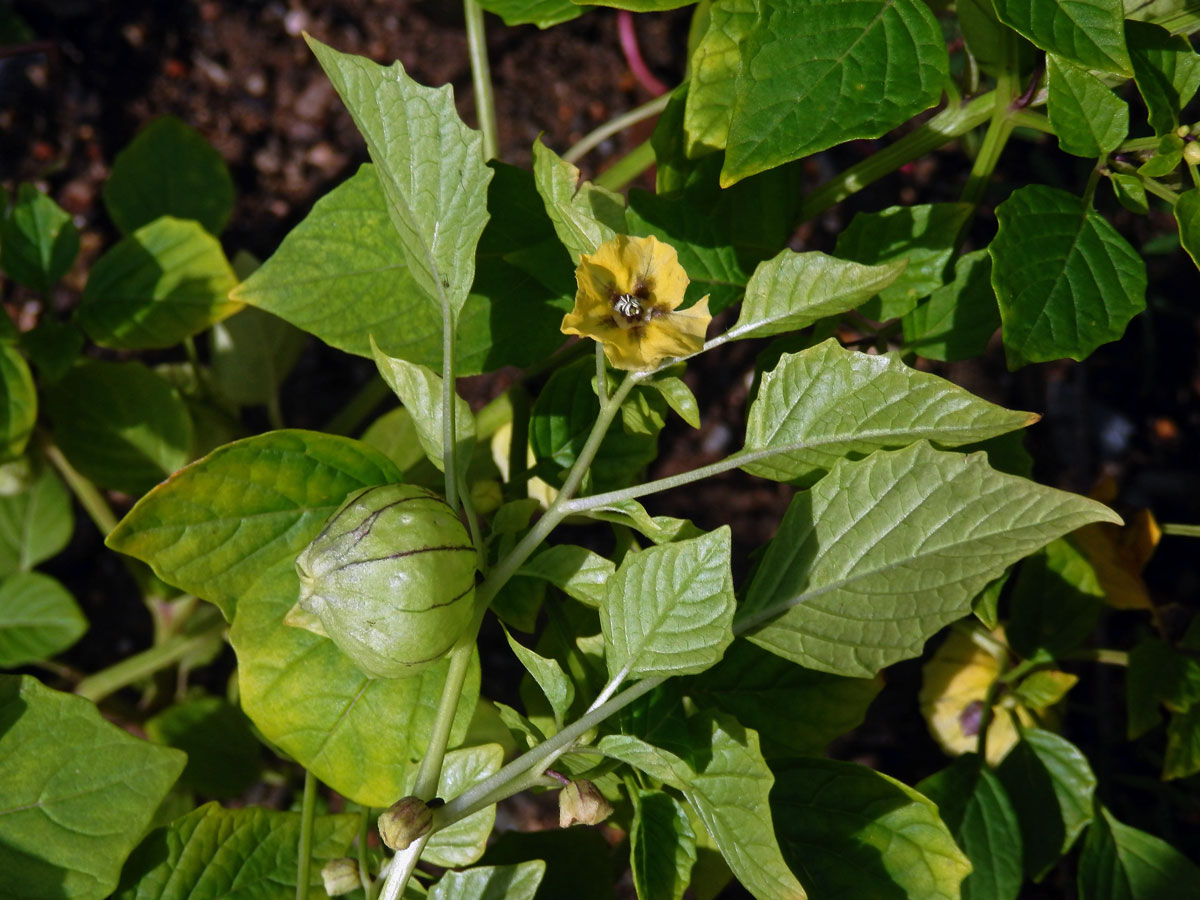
682, 706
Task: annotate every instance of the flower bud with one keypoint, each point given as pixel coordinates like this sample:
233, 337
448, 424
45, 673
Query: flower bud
404, 821
581, 802
1191, 152
340, 876
391, 578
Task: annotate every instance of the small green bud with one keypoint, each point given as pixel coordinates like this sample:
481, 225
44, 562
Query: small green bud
404, 821
581, 802
1191, 152
391, 578
340, 876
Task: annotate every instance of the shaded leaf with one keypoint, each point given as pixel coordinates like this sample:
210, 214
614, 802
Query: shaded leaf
550, 677
1187, 215
251, 354
519, 882
1119, 862
1089, 119
35, 523
462, 843
19, 406
1088, 32
662, 848
959, 318
224, 756
38, 240
542, 13
584, 215
38, 619
1166, 70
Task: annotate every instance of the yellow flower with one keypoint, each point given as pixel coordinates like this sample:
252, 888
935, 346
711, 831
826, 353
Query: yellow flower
628, 292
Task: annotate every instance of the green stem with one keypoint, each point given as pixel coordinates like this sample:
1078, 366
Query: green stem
999, 129
308, 812
142, 665
1181, 529
1098, 655
430, 771
1136, 145
601, 374
629, 167
615, 125
449, 464
85, 492
481, 78
1027, 118
952, 122
351, 416
364, 870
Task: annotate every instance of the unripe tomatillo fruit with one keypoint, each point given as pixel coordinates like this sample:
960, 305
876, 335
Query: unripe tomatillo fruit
391, 578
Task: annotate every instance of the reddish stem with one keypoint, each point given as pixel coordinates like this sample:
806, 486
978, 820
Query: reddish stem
633, 55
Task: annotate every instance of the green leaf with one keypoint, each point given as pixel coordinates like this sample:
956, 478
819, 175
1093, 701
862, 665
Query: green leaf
169, 169
924, 236
251, 354
959, 318
420, 390
214, 853
1089, 119
662, 846
1182, 756
795, 711
52, 347
1119, 862
38, 619
519, 882
659, 529
576, 571
1051, 785
715, 64
976, 808
119, 424
462, 843
885, 551
223, 756
542, 13
429, 163
35, 523
1158, 674
824, 403
38, 240
219, 526
562, 419
728, 784
668, 610
678, 396
794, 290
854, 832
308, 699
1130, 191
1066, 281
1056, 601
77, 794
1167, 72
1088, 32
164, 282
1187, 215
987, 40
1166, 158
827, 71
18, 410
549, 675
584, 215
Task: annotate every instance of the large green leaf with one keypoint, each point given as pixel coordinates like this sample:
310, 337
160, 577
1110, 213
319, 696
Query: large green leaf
854, 832
669, 609
166, 281
430, 165
817, 74
1051, 785
1187, 216
976, 808
362, 736
76, 794
795, 710
38, 619
662, 846
1089, 32
519, 882
1124, 863
251, 354
822, 404
1167, 72
119, 424
38, 240
1066, 281
1089, 119
959, 318
884, 551
542, 13
584, 215
715, 64
794, 290
577, 571
19, 406
420, 390
218, 527
169, 169
463, 843
35, 523
924, 236
224, 755
728, 784
222, 854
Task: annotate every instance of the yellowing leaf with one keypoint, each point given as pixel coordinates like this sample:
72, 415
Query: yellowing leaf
1119, 554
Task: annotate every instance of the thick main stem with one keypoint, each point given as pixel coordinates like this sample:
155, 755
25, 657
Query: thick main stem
481, 78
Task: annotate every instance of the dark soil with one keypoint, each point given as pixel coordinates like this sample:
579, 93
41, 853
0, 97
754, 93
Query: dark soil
238, 71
